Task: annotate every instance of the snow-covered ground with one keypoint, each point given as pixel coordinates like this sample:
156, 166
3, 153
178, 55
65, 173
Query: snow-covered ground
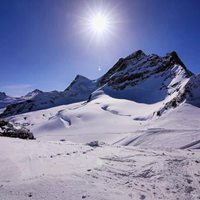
105, 119
145, 156
62, 170
179, 128
116, 121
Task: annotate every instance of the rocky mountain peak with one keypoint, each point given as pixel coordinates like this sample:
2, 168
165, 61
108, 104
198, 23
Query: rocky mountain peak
175, 59
145, 78
139, 66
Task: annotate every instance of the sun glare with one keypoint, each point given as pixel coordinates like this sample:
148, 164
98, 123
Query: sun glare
99, 23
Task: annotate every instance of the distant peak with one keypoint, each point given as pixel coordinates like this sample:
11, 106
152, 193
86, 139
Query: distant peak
78, 79
33, 93
36, 91
3, 95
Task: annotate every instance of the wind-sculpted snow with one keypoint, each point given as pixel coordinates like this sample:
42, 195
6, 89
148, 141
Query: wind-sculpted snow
62, 170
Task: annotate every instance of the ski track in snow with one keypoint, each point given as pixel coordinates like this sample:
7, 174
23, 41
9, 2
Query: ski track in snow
62, 170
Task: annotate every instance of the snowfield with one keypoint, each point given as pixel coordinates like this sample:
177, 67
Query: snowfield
63, 170
116, 121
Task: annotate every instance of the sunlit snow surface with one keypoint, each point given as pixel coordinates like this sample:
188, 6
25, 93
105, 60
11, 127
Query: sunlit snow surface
140, 159
63, 170
116, 121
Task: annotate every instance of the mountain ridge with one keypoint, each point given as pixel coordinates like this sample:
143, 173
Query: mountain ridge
138, 77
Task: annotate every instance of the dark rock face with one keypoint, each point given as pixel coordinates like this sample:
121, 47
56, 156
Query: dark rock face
2, 95
8, 130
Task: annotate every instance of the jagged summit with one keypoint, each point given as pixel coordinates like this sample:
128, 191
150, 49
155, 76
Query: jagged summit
145, 78
176, 59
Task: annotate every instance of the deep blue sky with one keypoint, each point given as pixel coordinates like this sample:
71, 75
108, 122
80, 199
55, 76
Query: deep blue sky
42, 44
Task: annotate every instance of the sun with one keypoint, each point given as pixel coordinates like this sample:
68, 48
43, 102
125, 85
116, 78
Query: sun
99, 23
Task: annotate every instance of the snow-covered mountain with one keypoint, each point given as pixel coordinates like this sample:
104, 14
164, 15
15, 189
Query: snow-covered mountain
139, 77
78, 90
145, 78
6, 100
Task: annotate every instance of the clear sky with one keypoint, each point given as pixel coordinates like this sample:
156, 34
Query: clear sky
44, 43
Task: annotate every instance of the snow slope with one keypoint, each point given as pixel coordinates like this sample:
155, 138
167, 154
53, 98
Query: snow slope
116, 121
178, 128
62, 170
